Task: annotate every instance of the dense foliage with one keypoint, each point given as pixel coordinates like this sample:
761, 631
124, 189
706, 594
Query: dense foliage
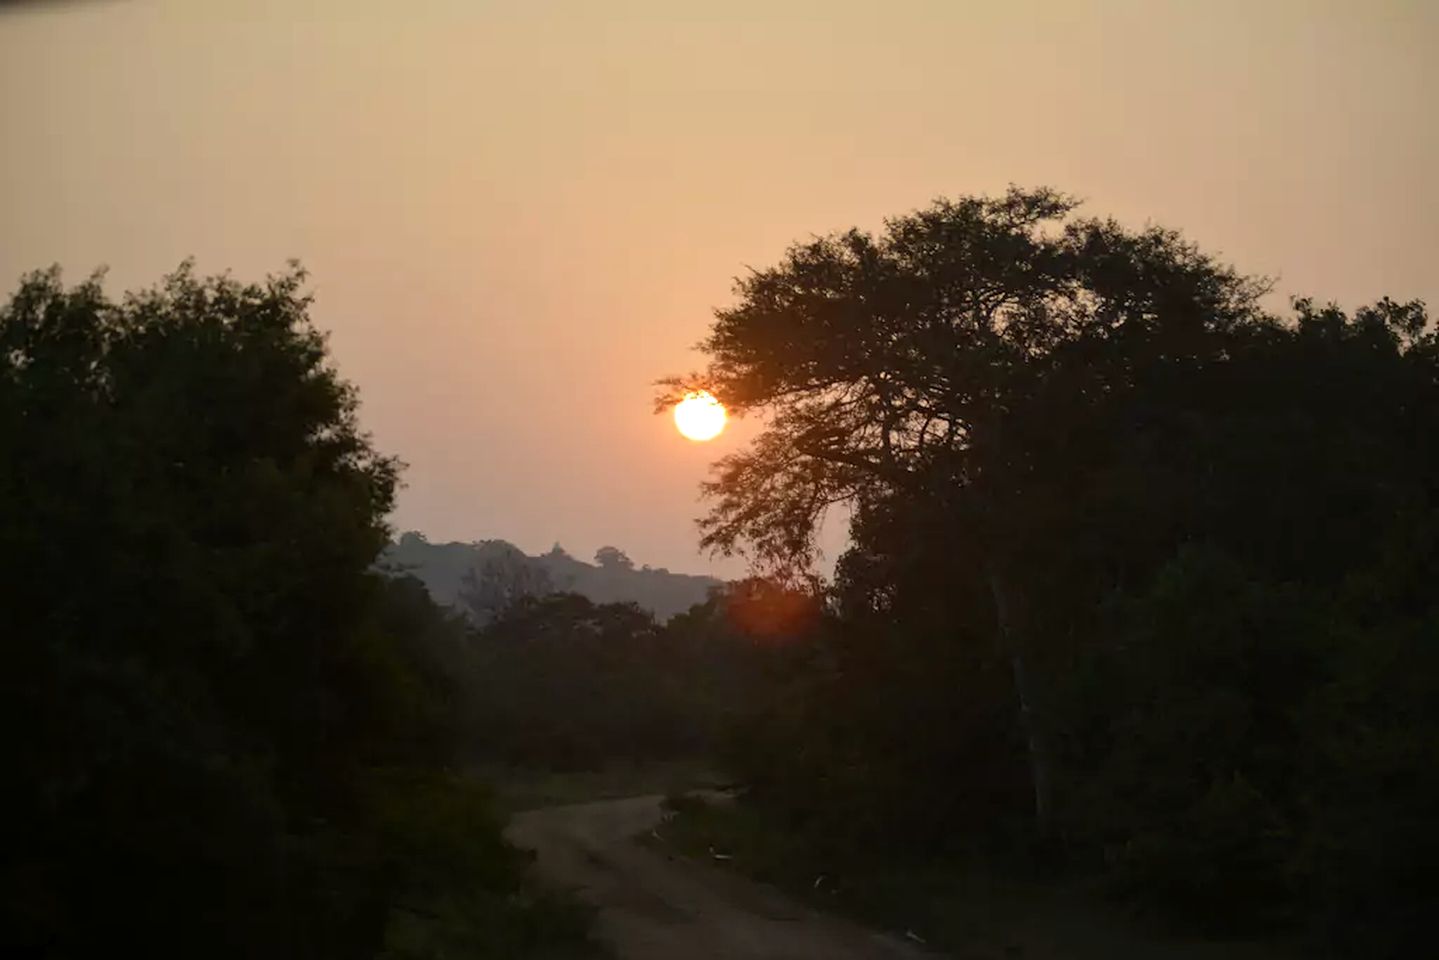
1142, 573
227, 736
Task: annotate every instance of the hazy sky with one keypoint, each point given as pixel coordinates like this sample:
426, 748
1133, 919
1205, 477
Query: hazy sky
519, 214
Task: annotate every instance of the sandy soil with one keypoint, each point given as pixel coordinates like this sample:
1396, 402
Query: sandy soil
653, 906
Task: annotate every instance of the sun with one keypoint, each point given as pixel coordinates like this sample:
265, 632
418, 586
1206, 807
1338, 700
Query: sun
699, 416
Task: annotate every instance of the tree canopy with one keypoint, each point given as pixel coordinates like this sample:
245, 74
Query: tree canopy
890, 362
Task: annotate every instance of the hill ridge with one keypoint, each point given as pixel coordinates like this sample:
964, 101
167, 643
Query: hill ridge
441, 567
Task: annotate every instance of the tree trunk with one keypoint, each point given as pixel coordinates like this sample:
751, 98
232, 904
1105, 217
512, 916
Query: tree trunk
1039, 770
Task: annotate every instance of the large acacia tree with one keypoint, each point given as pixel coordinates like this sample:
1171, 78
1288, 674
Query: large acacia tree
945, 361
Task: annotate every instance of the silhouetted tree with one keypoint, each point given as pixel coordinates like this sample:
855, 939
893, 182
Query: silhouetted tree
890, 366
612, 558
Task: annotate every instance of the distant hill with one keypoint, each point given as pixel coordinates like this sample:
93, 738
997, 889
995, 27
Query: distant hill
442, 568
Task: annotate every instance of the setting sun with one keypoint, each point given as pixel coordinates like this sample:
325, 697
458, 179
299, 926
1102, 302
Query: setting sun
699, 416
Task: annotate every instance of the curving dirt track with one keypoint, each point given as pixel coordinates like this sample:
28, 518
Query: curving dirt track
655, 907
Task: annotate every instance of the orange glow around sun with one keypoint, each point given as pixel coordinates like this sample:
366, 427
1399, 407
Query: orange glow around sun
699, 416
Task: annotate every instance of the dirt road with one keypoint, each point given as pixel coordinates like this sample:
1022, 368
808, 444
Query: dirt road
656, 907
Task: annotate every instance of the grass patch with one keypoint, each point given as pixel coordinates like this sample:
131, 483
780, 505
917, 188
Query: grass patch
537, 925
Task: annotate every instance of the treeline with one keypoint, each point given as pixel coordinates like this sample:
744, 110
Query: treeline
1142, 583
227, 736
561, 683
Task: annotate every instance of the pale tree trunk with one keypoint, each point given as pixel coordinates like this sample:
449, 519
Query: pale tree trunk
1039, 767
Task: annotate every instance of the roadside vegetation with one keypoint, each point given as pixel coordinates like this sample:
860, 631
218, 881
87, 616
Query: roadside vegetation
985, 910
228, 735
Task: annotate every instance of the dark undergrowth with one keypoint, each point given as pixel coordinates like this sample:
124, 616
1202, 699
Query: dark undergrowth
963, 908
